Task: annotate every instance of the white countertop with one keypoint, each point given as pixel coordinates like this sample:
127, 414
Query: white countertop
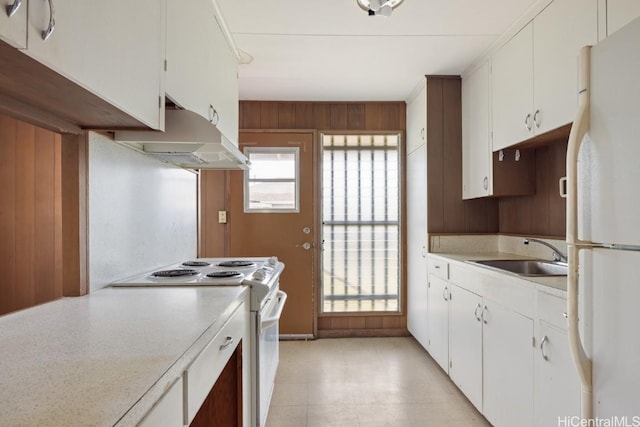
556, 285
105, 358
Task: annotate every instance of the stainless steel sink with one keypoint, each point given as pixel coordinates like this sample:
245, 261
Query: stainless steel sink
526, 267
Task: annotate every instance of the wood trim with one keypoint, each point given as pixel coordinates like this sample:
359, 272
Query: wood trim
75, 174
48, 99
363, 333
37, 116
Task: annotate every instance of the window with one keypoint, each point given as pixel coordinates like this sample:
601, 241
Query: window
361, 227
271, 185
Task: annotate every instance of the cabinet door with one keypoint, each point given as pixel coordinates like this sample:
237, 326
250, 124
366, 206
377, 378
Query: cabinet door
620, 13
557, 387
438, 321
507, 356
190, 70
512, 90
113, 48
13, 29
417, 245
476, 145
224, 85
465, 343
168, 411
417, 121
555, 59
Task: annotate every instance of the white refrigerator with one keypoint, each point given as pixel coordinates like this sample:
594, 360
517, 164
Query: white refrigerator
603, 228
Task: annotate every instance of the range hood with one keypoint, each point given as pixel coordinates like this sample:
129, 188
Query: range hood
189, 141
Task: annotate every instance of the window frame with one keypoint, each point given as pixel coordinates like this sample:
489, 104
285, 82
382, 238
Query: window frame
401, 295
296, 180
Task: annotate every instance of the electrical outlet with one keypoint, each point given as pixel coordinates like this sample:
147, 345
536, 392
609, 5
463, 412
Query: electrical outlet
222, 217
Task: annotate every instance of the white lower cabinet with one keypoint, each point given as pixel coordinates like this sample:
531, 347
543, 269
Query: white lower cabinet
507, 357
438, 320
465, 343
168, 412
503, 343
202, 374
557, 386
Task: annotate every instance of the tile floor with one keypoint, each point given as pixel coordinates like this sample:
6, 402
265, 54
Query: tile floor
365, 382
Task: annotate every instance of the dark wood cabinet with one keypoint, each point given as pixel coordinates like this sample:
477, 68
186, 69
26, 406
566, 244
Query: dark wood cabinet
223, 405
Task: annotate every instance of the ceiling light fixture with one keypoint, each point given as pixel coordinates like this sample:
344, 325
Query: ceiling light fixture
379, 7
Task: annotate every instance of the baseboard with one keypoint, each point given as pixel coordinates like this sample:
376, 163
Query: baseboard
358, 333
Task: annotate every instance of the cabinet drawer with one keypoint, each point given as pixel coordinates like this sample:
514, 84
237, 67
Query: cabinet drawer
202, 374
168, 411
439, 268
551, 309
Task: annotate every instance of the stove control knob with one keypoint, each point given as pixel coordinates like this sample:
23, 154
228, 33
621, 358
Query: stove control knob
260, 274
273, 260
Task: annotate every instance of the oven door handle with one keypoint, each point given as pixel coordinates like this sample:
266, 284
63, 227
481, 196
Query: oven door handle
268, 321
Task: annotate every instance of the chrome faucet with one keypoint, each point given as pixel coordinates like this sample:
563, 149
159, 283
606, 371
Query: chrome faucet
557, 254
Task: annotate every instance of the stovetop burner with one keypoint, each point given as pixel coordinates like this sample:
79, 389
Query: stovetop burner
225, 274
181, 272
237, 263
196, 264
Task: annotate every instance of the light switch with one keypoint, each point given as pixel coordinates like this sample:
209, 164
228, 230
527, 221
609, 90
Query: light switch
222, 217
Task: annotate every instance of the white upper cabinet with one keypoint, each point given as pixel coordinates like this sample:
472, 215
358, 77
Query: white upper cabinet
112, 48
534, 77
620, 13
417, 121
202, 70
555, 59
512, 90
13, 22
477, 176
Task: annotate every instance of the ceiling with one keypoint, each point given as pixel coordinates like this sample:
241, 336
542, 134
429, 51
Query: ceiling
330, 50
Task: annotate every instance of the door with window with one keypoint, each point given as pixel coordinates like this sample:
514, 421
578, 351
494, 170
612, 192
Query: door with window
272, 214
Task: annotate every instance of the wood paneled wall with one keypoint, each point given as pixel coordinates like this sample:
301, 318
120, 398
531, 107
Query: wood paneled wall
367, 116
447, 212
213, 192
544, 213
30, 215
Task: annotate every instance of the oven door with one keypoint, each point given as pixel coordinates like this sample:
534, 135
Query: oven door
267, 349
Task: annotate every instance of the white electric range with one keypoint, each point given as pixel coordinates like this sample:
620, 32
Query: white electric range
262, 275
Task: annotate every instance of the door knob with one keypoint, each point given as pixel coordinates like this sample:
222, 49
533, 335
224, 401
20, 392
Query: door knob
306, 230
306, 246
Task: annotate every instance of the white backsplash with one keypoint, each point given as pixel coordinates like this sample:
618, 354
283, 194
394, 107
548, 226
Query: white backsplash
515, 245
142, 212
464, 243
494, 243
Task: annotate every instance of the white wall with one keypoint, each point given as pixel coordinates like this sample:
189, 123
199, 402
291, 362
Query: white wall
142, 212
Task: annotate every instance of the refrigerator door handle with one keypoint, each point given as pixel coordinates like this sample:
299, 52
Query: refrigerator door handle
578, 130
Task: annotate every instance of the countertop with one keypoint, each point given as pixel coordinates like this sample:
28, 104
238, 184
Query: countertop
105, 358
556, 285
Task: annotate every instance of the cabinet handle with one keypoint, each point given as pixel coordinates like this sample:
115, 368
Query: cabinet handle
535, 119
422, 133
482, 315
227, 343
214, 117
544, 340
485, 183
13, 8
444, 293
52, 23
526, 122
475, 312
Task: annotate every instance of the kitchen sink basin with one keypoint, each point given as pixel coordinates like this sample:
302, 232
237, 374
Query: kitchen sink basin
526, 267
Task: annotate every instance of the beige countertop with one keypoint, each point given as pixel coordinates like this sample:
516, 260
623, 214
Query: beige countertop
105, 358
556, 285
